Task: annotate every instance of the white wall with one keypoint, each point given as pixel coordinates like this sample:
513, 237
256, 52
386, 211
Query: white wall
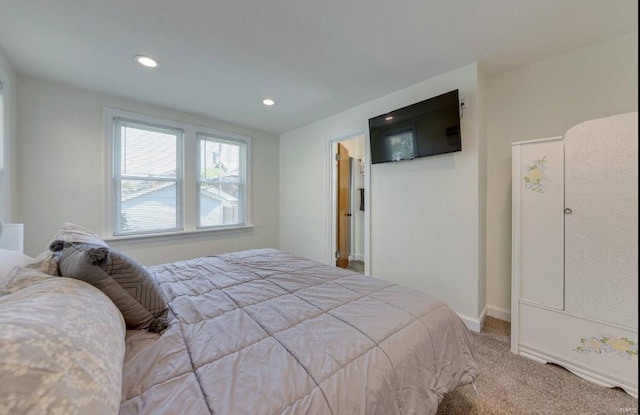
425, 224
7, 175
545, 99
60, 172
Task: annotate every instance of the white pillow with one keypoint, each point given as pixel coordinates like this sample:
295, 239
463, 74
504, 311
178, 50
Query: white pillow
47, 261
10, 259
61, 347
72, 233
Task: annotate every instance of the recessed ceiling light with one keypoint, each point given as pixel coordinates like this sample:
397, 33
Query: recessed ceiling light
146, 61
268, 101
388, 118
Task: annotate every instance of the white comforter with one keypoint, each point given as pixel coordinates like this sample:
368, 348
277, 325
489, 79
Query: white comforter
267, 332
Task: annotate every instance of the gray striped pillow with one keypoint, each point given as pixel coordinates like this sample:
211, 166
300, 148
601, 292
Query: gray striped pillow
131, 288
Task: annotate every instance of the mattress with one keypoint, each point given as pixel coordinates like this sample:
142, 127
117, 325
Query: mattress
268, 332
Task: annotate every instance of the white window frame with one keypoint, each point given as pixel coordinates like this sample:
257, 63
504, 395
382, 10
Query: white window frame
118, 176
190, 190
224, 138
3, 128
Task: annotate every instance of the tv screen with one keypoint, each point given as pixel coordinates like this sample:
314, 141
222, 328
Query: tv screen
423, 129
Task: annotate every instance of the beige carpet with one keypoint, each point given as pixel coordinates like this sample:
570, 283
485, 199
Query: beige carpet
510, 384
356, 266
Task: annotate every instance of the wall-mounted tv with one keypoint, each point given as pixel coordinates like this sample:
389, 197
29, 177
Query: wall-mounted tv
423, 129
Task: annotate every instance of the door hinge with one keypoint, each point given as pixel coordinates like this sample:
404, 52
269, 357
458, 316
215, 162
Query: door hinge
337, 157
337, 254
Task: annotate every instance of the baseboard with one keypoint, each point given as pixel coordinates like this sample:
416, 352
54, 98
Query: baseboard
473, 324
356, 257
498, 312
482, 316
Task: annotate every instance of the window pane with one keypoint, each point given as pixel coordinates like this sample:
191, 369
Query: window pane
219, 161
1, 129
221, 179
147, 151
219, 204
147, 205
146, 174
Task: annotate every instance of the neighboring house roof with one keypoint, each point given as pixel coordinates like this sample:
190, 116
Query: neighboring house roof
215, 193
212, 192
146, 191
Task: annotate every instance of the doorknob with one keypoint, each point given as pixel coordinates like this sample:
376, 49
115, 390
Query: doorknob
349, 214
568, 211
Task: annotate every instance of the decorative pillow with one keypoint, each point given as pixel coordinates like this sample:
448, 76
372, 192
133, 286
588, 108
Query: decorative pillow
61, 347
47, 261
10, 259
72, 233
131, 288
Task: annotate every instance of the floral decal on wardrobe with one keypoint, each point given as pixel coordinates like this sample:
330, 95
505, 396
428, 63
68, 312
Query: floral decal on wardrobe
604, 344
535, 179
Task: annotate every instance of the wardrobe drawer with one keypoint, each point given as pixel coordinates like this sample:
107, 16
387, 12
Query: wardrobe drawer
595, 350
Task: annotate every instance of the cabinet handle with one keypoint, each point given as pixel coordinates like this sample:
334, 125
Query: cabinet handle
568, 211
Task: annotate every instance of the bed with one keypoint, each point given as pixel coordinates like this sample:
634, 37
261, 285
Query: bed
253, 332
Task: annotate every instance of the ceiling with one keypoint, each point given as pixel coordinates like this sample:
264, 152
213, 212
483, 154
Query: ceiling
315, 58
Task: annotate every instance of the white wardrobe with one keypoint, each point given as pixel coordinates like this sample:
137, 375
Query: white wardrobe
575, 251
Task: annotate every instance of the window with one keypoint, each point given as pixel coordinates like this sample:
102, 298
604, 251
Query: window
147, 177
172, 177
2, 127
221, 178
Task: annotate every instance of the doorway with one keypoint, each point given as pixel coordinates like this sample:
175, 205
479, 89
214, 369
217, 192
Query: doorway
348, 203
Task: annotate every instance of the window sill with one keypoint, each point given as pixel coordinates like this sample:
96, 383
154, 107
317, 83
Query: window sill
132, 239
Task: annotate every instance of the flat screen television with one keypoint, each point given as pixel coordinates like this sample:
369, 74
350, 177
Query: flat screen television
423, 129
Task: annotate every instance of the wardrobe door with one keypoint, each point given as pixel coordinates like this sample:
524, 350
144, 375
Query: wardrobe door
540, 226
601, 230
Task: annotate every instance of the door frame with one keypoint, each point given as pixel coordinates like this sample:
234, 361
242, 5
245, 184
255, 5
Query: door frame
345, 223
332, 197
